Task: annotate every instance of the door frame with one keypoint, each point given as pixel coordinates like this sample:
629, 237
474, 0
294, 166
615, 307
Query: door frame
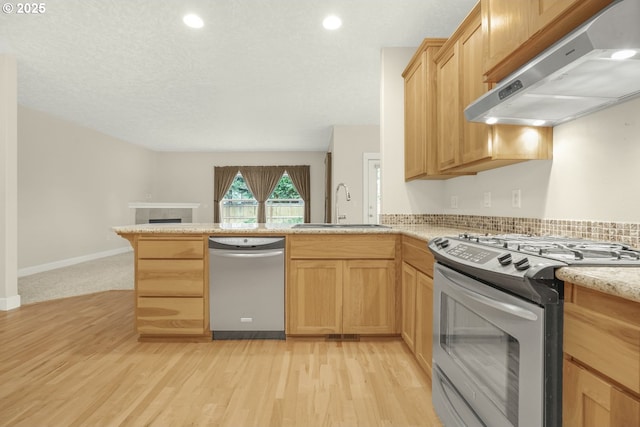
366, 158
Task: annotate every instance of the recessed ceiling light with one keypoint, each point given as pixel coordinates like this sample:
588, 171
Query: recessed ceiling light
193, 21
538, 122
491, 121
623, 54
332, 22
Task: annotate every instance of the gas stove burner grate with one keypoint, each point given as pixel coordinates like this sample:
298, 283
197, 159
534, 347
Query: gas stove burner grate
566, 249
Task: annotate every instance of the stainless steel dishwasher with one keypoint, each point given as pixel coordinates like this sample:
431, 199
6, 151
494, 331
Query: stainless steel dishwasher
246, 287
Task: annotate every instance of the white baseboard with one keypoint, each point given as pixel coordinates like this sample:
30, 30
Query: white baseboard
28, 271
9, 303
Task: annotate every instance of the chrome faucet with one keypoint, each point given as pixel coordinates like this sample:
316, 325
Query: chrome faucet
348, 197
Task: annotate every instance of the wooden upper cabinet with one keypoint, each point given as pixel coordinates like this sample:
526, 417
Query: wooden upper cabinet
448, 108
420, 139
475, 135
469, 147
415, 120
516, 31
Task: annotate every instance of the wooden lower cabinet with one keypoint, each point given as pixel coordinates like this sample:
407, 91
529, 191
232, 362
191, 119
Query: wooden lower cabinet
171, 287
409, 282
417, 300
424, 321
315, 297
417, 314
368, 297
601, 342
170, 316
341, 297
591, 401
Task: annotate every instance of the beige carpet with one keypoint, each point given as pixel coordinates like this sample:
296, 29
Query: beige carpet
104, 274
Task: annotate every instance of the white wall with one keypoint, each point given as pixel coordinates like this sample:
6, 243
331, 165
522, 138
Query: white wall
348, 145
188, 177
596, 165
9, 297
592, 175
74, 184
398, 196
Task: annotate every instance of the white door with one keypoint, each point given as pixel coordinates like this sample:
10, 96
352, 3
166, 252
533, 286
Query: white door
371, 190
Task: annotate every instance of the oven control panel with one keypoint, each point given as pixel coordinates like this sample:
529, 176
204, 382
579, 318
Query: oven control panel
472, 254
478, 257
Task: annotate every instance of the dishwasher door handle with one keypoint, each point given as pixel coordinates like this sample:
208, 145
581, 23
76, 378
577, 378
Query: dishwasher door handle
247, 254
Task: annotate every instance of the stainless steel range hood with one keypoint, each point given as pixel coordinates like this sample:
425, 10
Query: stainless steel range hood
581, 73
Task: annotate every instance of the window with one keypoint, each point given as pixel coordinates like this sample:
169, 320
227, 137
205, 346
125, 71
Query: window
284, 206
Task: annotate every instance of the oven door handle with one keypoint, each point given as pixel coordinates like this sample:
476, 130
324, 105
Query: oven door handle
498, 305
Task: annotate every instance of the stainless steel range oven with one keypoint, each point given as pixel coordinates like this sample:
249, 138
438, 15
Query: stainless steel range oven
497, 330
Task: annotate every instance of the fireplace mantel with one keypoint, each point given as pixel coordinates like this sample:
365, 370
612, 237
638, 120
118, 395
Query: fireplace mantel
145, 212
163, 205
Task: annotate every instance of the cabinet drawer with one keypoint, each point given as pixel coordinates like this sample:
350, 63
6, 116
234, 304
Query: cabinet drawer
170, 316
416, 253
182, 277
604, 340
171, 248
342, 247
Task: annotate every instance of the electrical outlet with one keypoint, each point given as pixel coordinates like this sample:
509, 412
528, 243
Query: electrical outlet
487, 199
516, 198
454, 202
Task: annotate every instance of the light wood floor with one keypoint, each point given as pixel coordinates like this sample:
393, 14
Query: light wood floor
77, 361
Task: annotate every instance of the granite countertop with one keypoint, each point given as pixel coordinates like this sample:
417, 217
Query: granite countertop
423, 231
620, 281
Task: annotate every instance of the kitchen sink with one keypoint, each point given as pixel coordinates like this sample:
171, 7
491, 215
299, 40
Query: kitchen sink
327, 225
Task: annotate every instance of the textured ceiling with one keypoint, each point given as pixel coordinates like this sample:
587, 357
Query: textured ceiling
261, 75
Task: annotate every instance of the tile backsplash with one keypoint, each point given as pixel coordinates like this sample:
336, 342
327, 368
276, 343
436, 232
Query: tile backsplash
623, 232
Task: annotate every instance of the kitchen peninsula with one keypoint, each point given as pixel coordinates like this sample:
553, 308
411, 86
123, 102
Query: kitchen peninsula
172, 268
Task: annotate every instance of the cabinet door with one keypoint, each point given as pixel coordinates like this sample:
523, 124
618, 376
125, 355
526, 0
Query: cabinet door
590, 401
179, 248
409, 305
170, 277
505, 28
369, 297
517, 31
424, 321
170, 316
543, 13
314, 303
475, 140
415, 120
448, 109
